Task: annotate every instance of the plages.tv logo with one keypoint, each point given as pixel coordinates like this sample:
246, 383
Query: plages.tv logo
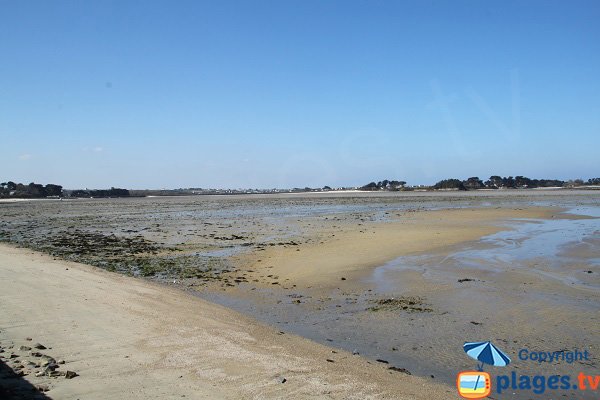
478, 384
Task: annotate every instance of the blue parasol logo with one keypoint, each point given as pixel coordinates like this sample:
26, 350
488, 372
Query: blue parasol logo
486, 353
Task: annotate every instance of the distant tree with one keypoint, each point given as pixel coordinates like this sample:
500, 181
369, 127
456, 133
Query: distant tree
53, 190
550, 183
473, 183
116, 192
396, 185
112, 192
450, 184
593, 181
494, 182
521, 181
384, 185
80, 193
508, 182
370, 186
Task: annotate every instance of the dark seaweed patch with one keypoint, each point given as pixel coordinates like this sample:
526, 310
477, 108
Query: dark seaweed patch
406, 303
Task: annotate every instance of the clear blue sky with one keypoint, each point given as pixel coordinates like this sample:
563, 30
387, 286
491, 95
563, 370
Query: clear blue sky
146, 94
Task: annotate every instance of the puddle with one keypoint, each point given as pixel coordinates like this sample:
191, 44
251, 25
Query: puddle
221, 253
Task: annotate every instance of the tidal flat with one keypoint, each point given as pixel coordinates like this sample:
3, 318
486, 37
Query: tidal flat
400, 278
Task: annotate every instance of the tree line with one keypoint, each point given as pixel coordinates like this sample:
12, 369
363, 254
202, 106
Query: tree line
384, 185
112, 192
517, 182
473, 183
33, 190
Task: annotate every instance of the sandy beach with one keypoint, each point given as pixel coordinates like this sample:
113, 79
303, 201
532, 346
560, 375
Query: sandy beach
128, 338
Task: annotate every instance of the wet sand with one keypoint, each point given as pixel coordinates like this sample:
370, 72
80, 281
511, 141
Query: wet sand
129, 338
325, 266
346, 248
463, 293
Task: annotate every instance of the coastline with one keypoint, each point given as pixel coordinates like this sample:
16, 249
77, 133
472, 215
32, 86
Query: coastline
128, 337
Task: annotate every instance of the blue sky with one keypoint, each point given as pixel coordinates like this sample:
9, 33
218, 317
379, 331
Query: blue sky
146, 94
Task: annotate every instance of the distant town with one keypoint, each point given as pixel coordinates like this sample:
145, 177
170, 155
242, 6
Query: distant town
34, 190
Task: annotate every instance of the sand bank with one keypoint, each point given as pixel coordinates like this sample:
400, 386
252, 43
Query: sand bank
346, 248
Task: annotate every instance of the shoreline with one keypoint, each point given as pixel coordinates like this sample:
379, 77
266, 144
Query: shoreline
127, 337
325, 291
580, 190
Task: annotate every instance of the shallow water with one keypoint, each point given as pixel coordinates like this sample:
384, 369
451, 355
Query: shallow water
523, 243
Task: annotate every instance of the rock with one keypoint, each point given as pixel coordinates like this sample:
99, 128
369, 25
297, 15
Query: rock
403, 370
54, 374
24, 348
49, 371
46, 360
70, 374
476, 323
39, 346
36, 354
382, 361
28, 339
355, 352
52, 366
43, 388
61, 362
330, 360
343, 279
